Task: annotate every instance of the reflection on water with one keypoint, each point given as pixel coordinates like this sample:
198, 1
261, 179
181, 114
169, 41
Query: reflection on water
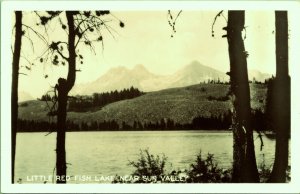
108, 153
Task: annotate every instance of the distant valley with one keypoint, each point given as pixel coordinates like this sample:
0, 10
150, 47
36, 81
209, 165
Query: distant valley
181, 105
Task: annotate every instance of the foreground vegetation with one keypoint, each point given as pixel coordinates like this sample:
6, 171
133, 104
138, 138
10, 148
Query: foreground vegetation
153, 169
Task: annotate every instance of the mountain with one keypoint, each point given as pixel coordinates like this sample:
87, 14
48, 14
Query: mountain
194, 73
116, 79
258, 76
139, 77
24, 96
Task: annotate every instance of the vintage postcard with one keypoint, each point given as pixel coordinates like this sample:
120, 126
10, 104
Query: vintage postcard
149, 96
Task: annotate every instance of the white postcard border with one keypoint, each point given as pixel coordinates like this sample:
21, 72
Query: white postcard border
7, 7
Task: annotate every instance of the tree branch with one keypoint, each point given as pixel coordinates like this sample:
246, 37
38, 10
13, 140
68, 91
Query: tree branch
216, 17
64, 57
37, 33
261, 140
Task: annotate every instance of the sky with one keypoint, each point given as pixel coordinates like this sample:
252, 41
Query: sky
146, 39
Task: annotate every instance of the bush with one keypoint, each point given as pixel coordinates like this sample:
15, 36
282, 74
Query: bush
148, 164
148, 168
207, 171
264, 171
25, 104
152, 169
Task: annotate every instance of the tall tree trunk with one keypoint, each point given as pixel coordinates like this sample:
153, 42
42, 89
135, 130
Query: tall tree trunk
244, 163
61, 167
282, 103
63, 87
14, 90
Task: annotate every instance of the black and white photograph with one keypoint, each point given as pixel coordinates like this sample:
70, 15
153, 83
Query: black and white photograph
183, 94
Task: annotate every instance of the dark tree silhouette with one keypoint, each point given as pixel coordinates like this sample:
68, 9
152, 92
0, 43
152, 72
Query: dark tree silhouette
63, 87
281, 99
14, 91
269, 113
244, 162
87, 103
82, 27
45, 97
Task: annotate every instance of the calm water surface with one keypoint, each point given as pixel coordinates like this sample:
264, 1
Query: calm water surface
108, 153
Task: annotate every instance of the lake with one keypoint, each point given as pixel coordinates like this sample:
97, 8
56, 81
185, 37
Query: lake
108, 153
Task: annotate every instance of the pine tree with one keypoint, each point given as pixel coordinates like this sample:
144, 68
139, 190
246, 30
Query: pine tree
244, 162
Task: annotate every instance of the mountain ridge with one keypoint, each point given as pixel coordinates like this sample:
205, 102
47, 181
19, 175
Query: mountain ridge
140, 77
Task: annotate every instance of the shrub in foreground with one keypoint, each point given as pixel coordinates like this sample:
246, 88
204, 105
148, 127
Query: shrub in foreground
152, 169
148, 169
207, 171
